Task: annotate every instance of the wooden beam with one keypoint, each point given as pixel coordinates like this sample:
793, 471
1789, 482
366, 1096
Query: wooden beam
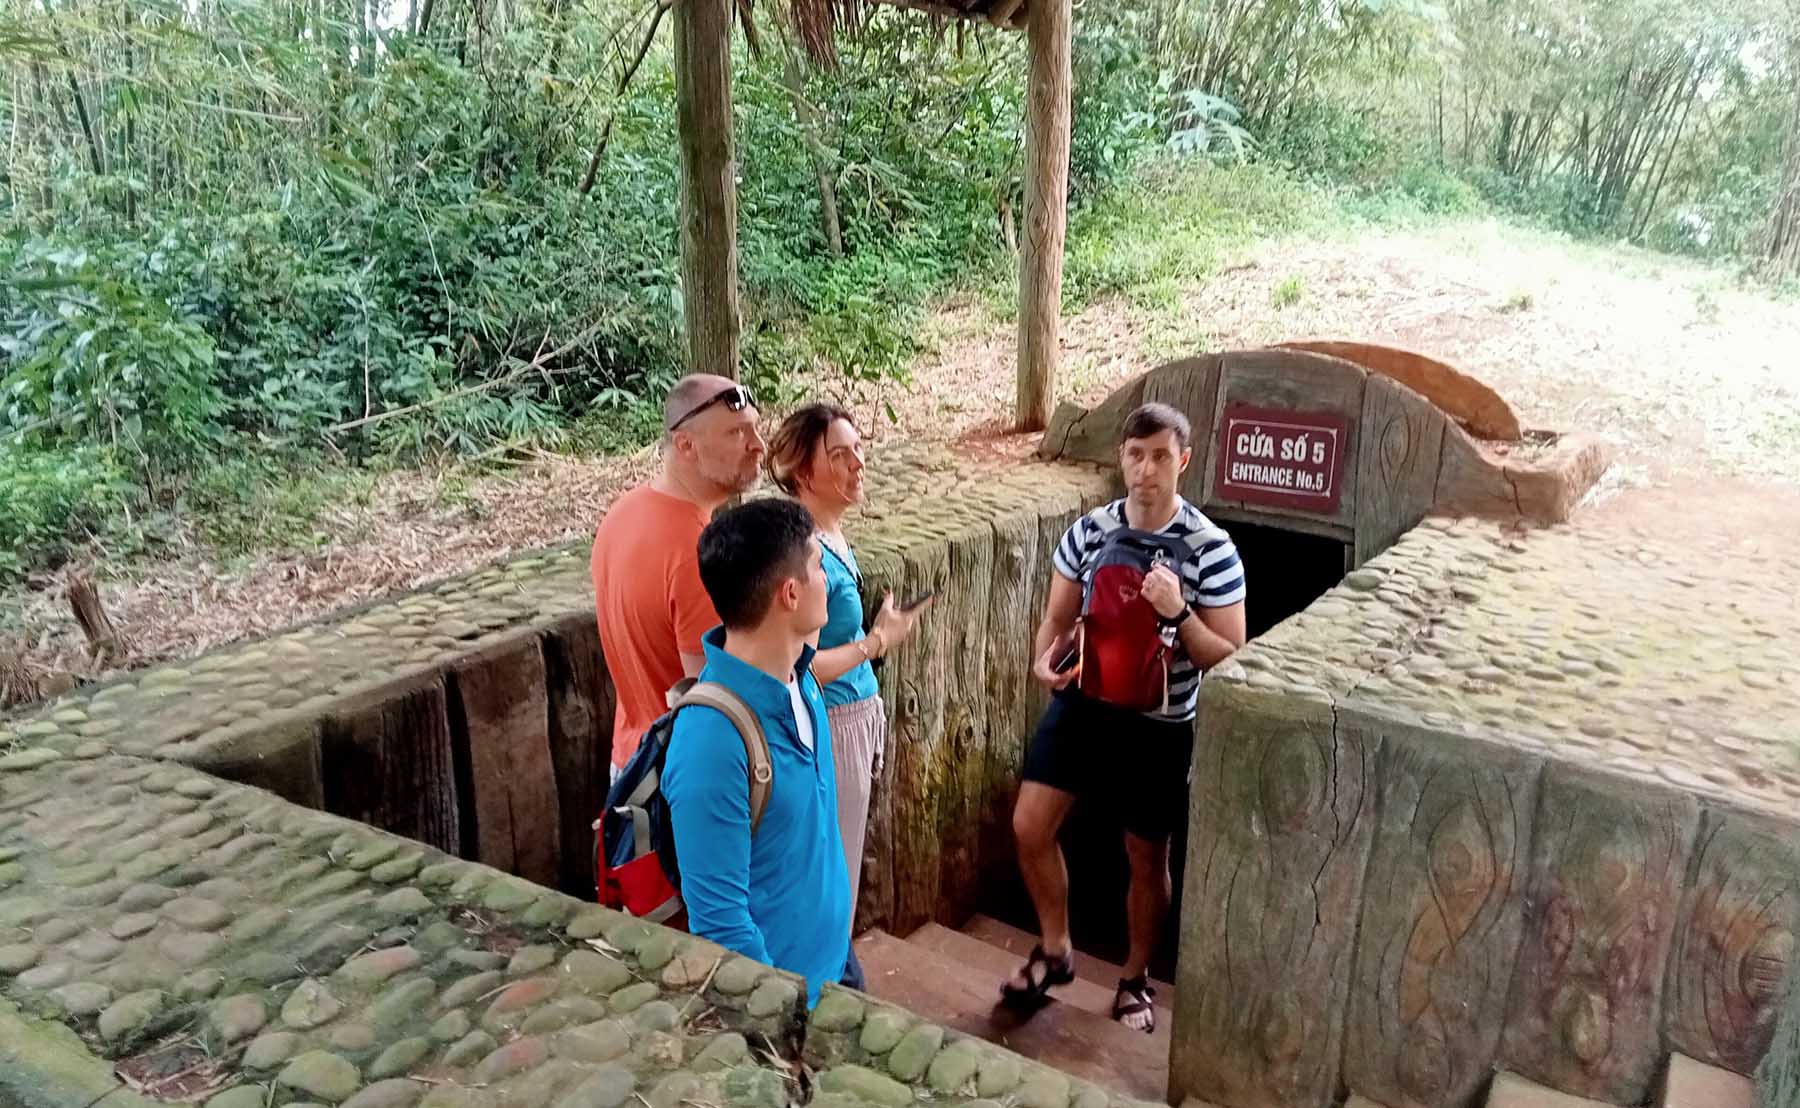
708, 185
1047, 32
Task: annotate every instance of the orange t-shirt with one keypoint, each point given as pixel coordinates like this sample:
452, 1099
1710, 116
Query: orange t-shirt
651, 604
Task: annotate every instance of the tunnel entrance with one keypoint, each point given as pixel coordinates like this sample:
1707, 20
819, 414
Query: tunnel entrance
1284, 571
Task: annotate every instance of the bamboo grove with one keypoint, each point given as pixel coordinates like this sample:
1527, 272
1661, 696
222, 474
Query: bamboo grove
358, 229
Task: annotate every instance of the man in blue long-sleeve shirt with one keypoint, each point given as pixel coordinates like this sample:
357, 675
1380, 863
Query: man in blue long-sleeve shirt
782, 897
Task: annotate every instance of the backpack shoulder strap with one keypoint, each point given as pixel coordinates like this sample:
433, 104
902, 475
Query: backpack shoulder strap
756, 744
1206, 532
1103, 518
672, 698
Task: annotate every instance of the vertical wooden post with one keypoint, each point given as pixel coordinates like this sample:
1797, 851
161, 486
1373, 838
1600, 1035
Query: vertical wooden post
708, 185
1047, 30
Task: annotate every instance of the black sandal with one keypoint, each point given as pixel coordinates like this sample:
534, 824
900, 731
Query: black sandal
1142, 1000
1060, 971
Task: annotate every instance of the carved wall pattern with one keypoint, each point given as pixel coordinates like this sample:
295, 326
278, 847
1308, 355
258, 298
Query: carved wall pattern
1442, 907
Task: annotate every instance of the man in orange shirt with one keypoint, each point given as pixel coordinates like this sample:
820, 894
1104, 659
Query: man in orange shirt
652, 607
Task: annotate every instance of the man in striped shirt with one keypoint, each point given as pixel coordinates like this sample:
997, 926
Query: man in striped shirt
1135, 762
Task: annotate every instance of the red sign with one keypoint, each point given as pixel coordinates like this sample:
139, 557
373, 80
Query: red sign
1280, 458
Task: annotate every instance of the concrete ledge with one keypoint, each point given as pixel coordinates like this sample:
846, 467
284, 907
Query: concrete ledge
1512, 1091
1691, 1084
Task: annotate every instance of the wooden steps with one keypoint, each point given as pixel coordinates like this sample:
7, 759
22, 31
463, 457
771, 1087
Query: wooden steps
1088, 968
1083, 993
957, 995
953, 978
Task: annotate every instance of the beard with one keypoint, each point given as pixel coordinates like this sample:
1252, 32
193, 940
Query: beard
733, 479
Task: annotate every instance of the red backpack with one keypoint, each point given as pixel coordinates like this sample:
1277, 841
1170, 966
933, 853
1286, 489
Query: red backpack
1125, 650
636, 868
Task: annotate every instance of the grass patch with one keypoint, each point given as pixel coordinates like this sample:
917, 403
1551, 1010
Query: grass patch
1177, 223
54, 500
246, 505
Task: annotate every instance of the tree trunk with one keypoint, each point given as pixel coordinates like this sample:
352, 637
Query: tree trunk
812, 135
87, 124
103, 639
19, 685
708, 185
1781, 237
1046, 197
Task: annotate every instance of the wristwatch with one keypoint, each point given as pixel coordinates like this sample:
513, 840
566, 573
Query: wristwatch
1177, 621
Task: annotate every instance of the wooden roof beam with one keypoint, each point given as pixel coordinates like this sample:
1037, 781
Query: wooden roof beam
1007, 14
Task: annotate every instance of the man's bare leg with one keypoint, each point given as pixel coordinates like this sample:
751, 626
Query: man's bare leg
1146, 906
1037, 817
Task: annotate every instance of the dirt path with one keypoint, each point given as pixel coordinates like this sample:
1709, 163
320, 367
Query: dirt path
1695, 381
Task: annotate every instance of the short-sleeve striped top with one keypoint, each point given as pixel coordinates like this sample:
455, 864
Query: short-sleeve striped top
1212, 577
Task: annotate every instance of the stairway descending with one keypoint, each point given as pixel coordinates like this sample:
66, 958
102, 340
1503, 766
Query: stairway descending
953, 978
1685, 1084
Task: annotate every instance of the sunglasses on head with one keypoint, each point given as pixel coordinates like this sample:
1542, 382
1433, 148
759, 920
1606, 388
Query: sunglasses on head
736, 399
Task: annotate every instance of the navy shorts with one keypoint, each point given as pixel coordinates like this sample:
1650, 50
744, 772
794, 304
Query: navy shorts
1135, 767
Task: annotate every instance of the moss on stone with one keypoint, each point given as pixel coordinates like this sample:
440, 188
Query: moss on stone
867, 1085
1778, 1078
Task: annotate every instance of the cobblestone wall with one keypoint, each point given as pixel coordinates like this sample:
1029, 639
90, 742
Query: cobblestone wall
475, 715
170, 934
1498, 799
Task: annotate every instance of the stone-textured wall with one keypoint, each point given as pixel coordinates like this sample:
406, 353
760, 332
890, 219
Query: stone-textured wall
167, 935
1498, 800
1778, 1078
179, 923
475, 715
868, 1053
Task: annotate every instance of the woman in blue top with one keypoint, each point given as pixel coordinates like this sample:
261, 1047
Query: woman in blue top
817, 458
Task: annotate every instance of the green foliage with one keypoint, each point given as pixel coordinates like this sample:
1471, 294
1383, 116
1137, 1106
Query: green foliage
1119, 101
251, 502
1207, 126
295, 239
280, 226
1326, 140
1174, 226
53, 499
93, 356
1727, 223
1437, 191
1288, 292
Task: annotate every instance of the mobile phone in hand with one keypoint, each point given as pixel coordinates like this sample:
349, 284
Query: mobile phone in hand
916, 601
1069, 661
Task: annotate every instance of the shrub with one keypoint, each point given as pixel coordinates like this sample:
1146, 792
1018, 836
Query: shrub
1324, 140
93, 357
53, 499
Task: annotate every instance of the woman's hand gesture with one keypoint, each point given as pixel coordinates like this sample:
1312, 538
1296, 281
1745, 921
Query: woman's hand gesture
893, 624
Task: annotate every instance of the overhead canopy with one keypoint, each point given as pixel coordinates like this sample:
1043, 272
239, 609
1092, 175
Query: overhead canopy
819, 20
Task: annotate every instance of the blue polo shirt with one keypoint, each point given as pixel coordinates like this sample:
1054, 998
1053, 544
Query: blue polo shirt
844, 624
784, 897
